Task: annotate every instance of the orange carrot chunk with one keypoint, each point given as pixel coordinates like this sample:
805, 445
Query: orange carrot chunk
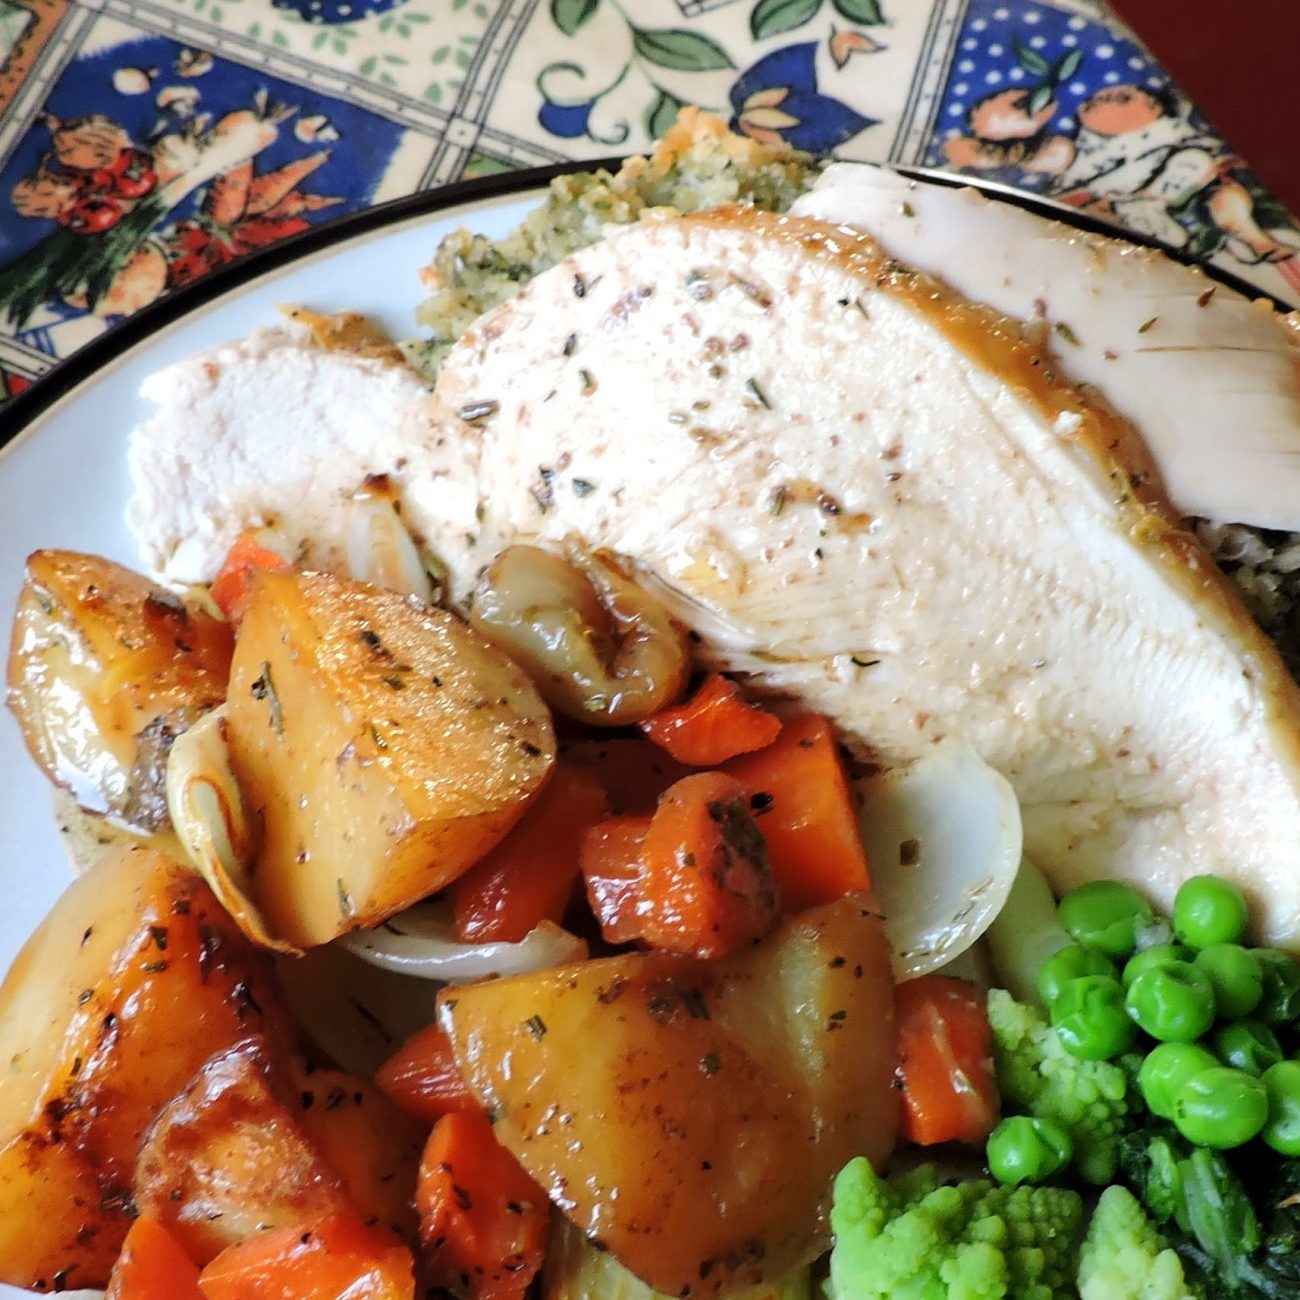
611, 867
803, 805
338, 1256
950, 1093
483, 1220
153, 1266
706, 888
230, 587
529, 877
715, 724
422, 1077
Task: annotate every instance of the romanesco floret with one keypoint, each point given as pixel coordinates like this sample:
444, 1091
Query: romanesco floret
1123, 1257
1037, 1076
912, 1239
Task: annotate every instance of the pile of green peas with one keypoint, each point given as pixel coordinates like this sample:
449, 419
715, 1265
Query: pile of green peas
1212, 1005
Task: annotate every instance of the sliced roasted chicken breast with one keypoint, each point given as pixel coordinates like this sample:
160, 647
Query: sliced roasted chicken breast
878, 499
276, 429
1211, 378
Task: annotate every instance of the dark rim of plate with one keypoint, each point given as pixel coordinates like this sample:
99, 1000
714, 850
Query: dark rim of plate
73, 371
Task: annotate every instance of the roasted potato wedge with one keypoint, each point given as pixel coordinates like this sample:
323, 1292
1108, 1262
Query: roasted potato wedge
372, 1145
105, 669
384, 745
227, 1158
133, 981
736, 1090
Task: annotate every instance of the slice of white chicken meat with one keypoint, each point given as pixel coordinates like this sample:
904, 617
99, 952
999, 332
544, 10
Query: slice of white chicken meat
872, 497
1210, 377
276, 432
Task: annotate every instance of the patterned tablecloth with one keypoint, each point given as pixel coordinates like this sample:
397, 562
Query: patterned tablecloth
144, 143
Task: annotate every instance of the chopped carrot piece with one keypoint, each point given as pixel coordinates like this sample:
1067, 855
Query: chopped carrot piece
715, 724
338, 1256
801, 799
950, 1093
631, 770
483, 1220
230, 587
706, 888
153, 1266
529, 877
692, 879
611, 866
422, 1077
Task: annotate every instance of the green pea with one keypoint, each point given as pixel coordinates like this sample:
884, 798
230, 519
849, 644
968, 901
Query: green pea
1236, 976
1248, 1045
1162, 954
1070, 963
1282, 1083
1280, 1001
1165, 1069
1173, 1003
1025, 1150
1221, 1108
1090, 1019
1208, 910
1106, 915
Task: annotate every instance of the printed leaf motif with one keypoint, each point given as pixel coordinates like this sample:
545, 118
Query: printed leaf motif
1039, 98
569, 15
773, 16
680, 50
1069, 65
1207, 241
663, 113
1029, 59
866, 12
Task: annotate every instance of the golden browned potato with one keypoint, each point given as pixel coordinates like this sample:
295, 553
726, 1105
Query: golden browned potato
227, 1158
384, 745
105, 669
690, 1116
371, 1144
133, 981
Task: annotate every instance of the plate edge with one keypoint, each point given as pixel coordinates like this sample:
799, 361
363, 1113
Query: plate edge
24, 409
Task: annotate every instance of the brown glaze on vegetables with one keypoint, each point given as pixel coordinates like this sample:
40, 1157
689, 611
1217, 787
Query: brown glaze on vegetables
133, 981
105, 670
715, 1100
384, 745
599, 649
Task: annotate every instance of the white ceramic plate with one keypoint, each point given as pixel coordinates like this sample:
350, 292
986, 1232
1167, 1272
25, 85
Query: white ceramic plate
63, 476
63, 479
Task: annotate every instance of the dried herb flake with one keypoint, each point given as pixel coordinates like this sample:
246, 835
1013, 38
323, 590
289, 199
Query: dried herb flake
264, 689
473, 412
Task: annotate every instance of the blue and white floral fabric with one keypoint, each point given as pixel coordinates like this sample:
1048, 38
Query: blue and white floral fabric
144, 143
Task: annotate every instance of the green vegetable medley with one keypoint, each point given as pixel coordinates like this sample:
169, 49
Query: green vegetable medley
1155, 1058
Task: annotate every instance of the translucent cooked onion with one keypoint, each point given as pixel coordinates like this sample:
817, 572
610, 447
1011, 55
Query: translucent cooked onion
422, 941
379, 548
943, 840
207, 812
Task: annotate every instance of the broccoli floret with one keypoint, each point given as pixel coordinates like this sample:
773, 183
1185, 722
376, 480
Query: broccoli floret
1093, 1100
1124, 1257
912, 1239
